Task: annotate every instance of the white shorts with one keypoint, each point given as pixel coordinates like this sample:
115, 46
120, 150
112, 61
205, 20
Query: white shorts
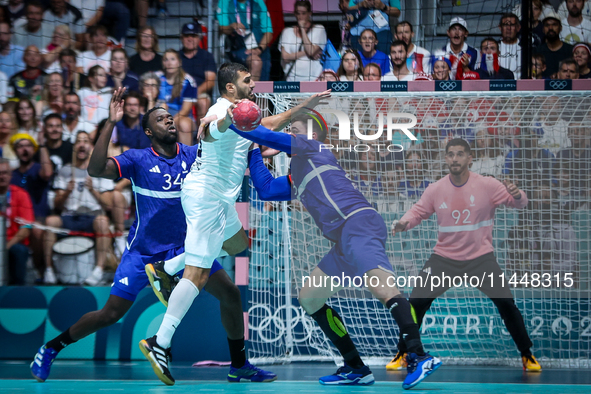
210, 222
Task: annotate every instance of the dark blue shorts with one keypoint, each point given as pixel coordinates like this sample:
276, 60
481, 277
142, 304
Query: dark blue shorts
131, 278
78, 222
361, 247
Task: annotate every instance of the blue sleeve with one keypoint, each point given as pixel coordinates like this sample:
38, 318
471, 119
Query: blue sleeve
125, 164
189, 90
268, 187
263, 136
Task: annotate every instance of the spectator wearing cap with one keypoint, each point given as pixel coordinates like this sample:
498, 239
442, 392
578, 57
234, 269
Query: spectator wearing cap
34, 31
418, 57
147, 58
16, 205
35, 178
120, 76
11, 56
489, 64
237, 20
399, 71
456, 48
301, 45
575, 28
441, 67
510, 49
199, 64
568, 69
374, 15
554, 49
369, 53
582, 55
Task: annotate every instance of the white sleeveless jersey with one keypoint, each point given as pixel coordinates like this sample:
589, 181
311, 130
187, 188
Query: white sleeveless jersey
222, 164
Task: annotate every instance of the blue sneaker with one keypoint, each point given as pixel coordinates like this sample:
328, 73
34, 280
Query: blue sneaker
419, 367
41, 365
349, 376
250, 372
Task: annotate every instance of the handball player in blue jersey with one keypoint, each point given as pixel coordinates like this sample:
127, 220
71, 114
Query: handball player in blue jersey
158, 234
359, 235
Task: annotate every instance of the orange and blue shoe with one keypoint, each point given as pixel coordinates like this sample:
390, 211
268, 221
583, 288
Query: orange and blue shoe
251, 373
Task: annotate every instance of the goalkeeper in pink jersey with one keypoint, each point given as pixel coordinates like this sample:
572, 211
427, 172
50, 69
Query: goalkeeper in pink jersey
465, 203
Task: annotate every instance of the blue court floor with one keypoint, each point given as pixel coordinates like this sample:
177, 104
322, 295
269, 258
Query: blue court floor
137, 377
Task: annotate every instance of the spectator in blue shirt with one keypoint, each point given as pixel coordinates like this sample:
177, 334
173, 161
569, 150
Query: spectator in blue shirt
178, 91
198, 63
237, 19
374, 15
120, 76
414, 183
369, 53
128, 131
11, 56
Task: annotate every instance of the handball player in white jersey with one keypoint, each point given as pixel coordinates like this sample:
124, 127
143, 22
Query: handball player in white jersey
208, 196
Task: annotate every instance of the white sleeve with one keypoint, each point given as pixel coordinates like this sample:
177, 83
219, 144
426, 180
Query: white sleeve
319, 36
102, 184
60, 181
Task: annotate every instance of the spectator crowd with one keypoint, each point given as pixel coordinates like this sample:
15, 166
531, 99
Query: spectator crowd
60, 61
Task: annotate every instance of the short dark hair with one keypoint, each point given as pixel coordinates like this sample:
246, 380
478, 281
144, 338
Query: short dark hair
146, 118
73, 93
51, 116
570, 61
136, 95
487, 39
68, 52
374, 65
93, 30
375, 35
507, 16
318, 128
403, 23
459, 142
398, 43
303, 3
35, 3
228, 73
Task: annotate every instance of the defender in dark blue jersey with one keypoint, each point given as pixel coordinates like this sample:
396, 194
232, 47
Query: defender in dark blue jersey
346, 218
158, 234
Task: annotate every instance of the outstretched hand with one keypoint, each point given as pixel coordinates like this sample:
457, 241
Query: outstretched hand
116, 106
317, 98
512, 189
398, 226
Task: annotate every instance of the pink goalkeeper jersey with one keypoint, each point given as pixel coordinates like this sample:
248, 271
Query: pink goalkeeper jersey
464, 214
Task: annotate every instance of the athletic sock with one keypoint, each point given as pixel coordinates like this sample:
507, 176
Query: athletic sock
237, 352
400, 309
179, 303
330, 323
61, 341
174, 265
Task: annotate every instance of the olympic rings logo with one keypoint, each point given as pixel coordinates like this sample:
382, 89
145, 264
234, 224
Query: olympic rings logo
339, 86
447, 85
558, 84
271, 326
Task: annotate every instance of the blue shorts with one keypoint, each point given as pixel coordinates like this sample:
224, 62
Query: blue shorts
79, 222
361, 247
131, 278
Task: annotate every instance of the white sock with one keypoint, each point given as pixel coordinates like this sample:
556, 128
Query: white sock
175, 264
179, 303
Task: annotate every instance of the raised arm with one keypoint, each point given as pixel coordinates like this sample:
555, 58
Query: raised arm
268, 187
99, 165
263, 136
278, 122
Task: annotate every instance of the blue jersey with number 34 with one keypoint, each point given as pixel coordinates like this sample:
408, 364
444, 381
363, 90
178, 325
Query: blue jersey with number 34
156, 184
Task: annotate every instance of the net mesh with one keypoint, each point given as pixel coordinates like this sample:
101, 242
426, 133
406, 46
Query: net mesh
535, 140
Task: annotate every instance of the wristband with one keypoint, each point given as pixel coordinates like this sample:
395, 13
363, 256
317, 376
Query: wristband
214, 132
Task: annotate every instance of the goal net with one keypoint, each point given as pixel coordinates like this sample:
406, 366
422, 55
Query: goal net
534, 139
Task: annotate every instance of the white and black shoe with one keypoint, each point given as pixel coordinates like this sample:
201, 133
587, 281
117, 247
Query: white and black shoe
159, 358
